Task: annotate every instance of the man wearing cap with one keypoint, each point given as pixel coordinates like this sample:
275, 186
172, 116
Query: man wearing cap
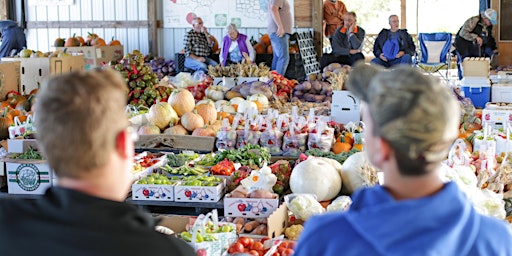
411, 122
475, 39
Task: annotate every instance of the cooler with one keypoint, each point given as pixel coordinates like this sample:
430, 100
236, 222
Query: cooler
501, 93
478, 89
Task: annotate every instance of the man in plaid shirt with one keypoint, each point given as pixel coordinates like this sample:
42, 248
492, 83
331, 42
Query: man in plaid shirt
198, 46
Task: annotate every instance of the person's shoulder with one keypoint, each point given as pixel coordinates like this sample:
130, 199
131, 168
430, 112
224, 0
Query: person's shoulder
494, 235
496, 227
325, 221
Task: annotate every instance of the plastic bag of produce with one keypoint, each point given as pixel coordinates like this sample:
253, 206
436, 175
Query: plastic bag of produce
321, 137
303, 206
272, 137
199, 238
19, 128
226, 137
249, 135
294, 142
340, 204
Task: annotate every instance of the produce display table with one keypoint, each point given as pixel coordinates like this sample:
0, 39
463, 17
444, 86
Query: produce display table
194, 208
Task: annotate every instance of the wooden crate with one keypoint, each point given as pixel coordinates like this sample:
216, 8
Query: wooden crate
185, 142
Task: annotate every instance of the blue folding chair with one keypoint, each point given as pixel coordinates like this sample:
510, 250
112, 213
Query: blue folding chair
435, 52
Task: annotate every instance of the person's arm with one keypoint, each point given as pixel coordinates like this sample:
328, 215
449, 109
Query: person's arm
252, 52
377, 47
467, 28
339, 44
274, 11
356, 40
222, 50
410, 46
188, 48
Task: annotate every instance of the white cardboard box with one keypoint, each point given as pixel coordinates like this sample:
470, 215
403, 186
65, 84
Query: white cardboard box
28, 177
95, 56
345, 107
501, 93
249, 207
204, 194
34, 71
496, 116
153, 192
20, 145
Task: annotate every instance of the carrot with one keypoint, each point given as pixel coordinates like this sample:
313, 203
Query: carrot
251, 226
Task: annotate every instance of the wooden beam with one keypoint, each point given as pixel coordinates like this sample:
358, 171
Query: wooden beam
318, 35
152, 28
403, 13
89, 24
4, 9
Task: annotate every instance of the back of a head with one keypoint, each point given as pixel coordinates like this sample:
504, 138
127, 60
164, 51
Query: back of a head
414, 113
78, 118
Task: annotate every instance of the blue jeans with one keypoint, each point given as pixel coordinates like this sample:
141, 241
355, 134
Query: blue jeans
197, 65
405, 59
281, 53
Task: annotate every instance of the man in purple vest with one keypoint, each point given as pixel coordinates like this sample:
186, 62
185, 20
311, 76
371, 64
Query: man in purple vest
235, 47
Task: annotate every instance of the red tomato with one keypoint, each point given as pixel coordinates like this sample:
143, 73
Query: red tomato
287, 252
254, 253
258, 246
276, 254
288, 244
264, 239
246, 241
236, 248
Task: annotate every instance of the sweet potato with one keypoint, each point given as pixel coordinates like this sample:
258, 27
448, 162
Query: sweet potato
245, 90
260, 230
309, 97
319, 98
251, 225
317, 85
298, 93
305, 86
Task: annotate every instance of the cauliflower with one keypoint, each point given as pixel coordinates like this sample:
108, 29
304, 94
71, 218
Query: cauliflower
293, 231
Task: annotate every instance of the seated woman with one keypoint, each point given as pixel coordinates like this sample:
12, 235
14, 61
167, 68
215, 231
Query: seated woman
235, 47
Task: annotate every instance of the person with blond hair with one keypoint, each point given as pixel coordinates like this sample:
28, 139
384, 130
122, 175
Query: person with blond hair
236, 47
84, 133
411, 121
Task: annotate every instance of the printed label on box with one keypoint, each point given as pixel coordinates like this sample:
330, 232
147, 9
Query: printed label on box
198, 193
153, 192
249, 207
345, 107
28, 178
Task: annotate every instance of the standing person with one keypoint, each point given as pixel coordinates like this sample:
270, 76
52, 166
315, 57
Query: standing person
280, 24
334, 14
198, 47
13, 38
393, 46
475, 38
346, 43
85, 135
235, 46
411, 120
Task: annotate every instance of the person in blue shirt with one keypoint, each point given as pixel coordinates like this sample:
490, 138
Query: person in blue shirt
13, 38
393, 46
411, 121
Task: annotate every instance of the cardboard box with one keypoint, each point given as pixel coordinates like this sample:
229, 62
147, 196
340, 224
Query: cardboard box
232, 81
95, 56
249, 207
476, 66
183, 142
34, 71
501, 93
204, 194
139, 175
20, 145
28, 176
153, 192
9, 78
497, 117
345, 107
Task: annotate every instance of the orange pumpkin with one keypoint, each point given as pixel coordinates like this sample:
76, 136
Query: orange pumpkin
72, 41
269, 49
260, 48
204, 131
340, 147
207, 111
221, 115
5, 122
90, 37
265, 39
81, 40
98, 42
114, 42
215, 47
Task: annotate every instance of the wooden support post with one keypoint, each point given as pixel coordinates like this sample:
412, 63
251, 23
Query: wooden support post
318, 16
152, 28
4, 9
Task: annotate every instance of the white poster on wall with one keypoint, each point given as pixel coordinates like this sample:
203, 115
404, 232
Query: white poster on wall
217, 13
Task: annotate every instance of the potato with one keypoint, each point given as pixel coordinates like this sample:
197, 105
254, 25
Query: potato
261, 193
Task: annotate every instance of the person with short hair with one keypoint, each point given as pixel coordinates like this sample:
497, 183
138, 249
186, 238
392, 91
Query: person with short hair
13, 38
411, 121
236, 47
280, 25
393, 46
84, 133
475, 39
198, 47
347, 43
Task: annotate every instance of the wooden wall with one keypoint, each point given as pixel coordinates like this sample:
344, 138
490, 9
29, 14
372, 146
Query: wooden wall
505, 48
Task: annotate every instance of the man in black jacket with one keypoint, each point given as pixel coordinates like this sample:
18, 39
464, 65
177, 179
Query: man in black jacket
393, 46
475, 39
86, 137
